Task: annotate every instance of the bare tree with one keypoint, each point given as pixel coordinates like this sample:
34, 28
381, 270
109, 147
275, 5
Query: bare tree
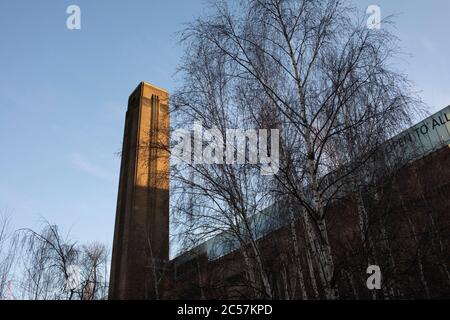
57, 268
8, 255
94, 272
47, 258
219, 199
315, 71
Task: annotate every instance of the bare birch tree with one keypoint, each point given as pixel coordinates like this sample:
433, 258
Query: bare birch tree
314, 70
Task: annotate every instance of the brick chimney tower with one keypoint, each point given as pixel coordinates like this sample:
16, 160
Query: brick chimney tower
141, 235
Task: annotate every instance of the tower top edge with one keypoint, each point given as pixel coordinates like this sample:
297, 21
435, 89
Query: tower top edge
154, 87
146, 89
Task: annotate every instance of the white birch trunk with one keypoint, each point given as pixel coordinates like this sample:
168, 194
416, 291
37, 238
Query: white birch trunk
298, 262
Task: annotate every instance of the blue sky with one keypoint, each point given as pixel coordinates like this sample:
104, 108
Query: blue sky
63, 95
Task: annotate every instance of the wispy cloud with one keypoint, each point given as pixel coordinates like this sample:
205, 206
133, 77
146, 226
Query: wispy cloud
82, 163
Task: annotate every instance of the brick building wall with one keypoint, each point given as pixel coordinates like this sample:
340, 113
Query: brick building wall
409, 234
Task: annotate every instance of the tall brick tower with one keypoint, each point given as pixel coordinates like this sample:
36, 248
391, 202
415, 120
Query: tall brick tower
141, 235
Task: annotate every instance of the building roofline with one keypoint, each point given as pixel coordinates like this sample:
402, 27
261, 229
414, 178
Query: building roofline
154, 87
